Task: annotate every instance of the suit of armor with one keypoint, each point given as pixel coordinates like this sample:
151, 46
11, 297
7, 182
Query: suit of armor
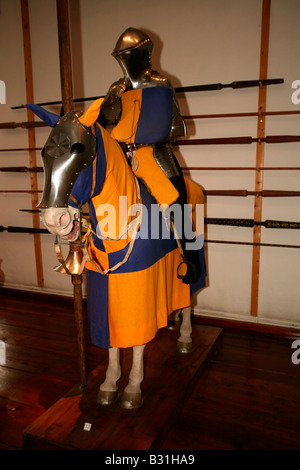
133, 52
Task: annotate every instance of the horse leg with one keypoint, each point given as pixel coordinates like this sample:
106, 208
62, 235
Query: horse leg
132, 395
108, 389
174, 320
184, 343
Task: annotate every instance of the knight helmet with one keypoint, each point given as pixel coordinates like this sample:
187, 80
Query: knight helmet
133, 51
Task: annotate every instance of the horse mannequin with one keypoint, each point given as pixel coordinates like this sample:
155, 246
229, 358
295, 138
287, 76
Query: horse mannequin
131, 276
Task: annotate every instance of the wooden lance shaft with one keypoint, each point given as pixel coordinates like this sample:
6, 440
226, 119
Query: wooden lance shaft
77, 292
187, 89
67, 103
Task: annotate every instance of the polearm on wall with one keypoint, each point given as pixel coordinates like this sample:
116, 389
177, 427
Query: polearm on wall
271, 139
235, 85
233, 242
30, 124
235, 115
185, 89
22, 169
20, 191
212, 192
24, 125
239, 168
39, 169
275, 245
282, 224
13, 229
245, 193
20, 149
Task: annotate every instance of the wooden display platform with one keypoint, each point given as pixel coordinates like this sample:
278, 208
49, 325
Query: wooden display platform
169, 379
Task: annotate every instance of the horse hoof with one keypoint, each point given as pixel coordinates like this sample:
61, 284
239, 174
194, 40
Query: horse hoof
174, 324
131, 400
184, 348
106, 398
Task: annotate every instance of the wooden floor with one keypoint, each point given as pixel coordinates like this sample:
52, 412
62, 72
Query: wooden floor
247, 397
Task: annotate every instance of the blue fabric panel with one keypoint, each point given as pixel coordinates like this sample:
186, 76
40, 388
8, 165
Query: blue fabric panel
200, 283
97, 303
94, 222
82, 186
152, 249
101, 162
155, 119
49, 118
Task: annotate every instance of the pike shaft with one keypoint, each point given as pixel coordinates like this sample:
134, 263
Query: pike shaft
186, 89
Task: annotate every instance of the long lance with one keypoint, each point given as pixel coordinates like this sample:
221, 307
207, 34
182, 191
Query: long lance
221, 192
271, 139
186, 89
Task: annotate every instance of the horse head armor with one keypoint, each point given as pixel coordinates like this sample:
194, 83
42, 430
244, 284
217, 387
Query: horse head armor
69, 149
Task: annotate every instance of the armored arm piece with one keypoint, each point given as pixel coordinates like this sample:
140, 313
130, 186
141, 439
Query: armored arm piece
111, 107
178, 128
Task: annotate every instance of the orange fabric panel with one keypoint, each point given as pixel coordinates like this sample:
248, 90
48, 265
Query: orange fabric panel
126, 128
195, 198
162, 293
91, 114
118, 194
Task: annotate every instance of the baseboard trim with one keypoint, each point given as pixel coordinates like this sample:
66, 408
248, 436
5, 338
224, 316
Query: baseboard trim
38, 290
255, 324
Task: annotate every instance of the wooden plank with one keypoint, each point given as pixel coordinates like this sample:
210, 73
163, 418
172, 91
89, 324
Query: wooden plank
246, 397
169, 380
262, 100
31, 140
13, 417
247, 400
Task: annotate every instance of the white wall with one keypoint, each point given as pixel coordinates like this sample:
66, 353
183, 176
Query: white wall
196, 42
